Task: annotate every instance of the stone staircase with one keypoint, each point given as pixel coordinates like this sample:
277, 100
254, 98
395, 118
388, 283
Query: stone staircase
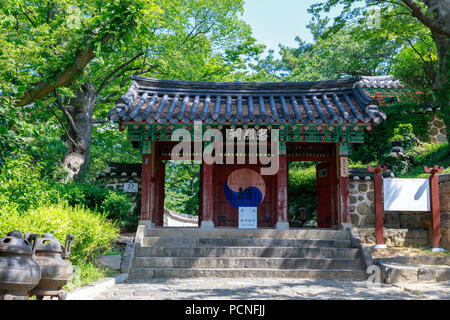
231, 253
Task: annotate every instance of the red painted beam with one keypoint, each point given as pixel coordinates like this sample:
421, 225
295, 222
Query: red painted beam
435, 206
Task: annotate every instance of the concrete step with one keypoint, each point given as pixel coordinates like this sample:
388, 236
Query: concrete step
275, 252
308, 234
248, 263
243, 242
146, 273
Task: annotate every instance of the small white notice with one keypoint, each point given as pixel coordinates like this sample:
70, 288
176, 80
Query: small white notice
406, 194
131, 187
248, 217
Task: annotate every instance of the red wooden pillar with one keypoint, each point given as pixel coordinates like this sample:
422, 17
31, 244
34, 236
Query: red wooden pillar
282, 193
344, 193
435, 207
378, 198
200, 197
146, 184
207, 196
159, 190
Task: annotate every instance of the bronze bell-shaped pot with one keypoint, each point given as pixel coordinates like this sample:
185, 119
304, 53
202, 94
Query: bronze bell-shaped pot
19, 273
56, 270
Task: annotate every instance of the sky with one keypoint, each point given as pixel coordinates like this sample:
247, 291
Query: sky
279, 21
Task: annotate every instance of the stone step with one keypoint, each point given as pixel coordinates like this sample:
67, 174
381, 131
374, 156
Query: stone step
309, 234
248, 263
147, 273
275, 252
243, 242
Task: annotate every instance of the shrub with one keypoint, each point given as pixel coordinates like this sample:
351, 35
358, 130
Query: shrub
22, 184
117, 207
404, 134
93, 234
302, 188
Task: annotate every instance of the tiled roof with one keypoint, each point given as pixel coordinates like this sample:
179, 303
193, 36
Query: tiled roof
169, 101
386, 82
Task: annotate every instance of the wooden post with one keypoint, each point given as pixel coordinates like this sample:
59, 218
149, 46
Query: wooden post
147, 166
282, 197
435, 207
159, 196
379, 210
344, 194
207, 196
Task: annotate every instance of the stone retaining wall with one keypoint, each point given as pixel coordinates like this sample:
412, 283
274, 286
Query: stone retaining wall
437, 130
363, 215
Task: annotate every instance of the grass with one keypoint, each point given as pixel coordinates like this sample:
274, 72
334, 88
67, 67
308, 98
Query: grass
85, 274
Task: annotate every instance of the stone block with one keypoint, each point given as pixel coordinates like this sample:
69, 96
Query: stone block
111, 262
426, 274
445, 187
363, 208
357, 220
362, 187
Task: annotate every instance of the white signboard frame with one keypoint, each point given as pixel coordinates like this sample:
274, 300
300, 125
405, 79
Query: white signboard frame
406, 194
248, 217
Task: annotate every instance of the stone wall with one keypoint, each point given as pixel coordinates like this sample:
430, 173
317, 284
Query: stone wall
395, 237
437, 130
361, 202
363, 215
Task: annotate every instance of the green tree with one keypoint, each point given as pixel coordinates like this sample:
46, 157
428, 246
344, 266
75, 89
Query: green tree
183, 39
396, 18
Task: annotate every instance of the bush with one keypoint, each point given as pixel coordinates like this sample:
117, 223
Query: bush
302, 188
117, 206
22, 184
114, 204
93, 234
377, 143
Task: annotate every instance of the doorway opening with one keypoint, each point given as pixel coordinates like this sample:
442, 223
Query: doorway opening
181, 194
311, 194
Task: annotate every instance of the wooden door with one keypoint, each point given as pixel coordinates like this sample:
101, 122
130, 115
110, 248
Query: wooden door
225, 214
324, 178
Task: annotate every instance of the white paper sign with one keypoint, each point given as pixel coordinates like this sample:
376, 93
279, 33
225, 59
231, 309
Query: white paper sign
406, 194
248, 217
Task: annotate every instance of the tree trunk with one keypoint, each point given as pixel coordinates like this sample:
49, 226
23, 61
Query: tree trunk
441, 85
79, 118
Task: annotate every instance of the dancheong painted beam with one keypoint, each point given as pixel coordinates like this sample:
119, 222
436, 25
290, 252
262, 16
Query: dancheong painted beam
287, 132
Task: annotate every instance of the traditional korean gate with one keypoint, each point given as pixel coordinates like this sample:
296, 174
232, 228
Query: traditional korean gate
225, 214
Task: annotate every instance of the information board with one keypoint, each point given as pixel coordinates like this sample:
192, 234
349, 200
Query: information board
248, 217
406, 194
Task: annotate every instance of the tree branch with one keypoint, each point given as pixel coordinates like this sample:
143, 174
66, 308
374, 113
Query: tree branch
112, 73
43, 88
435, 26
62, 126
66, 113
